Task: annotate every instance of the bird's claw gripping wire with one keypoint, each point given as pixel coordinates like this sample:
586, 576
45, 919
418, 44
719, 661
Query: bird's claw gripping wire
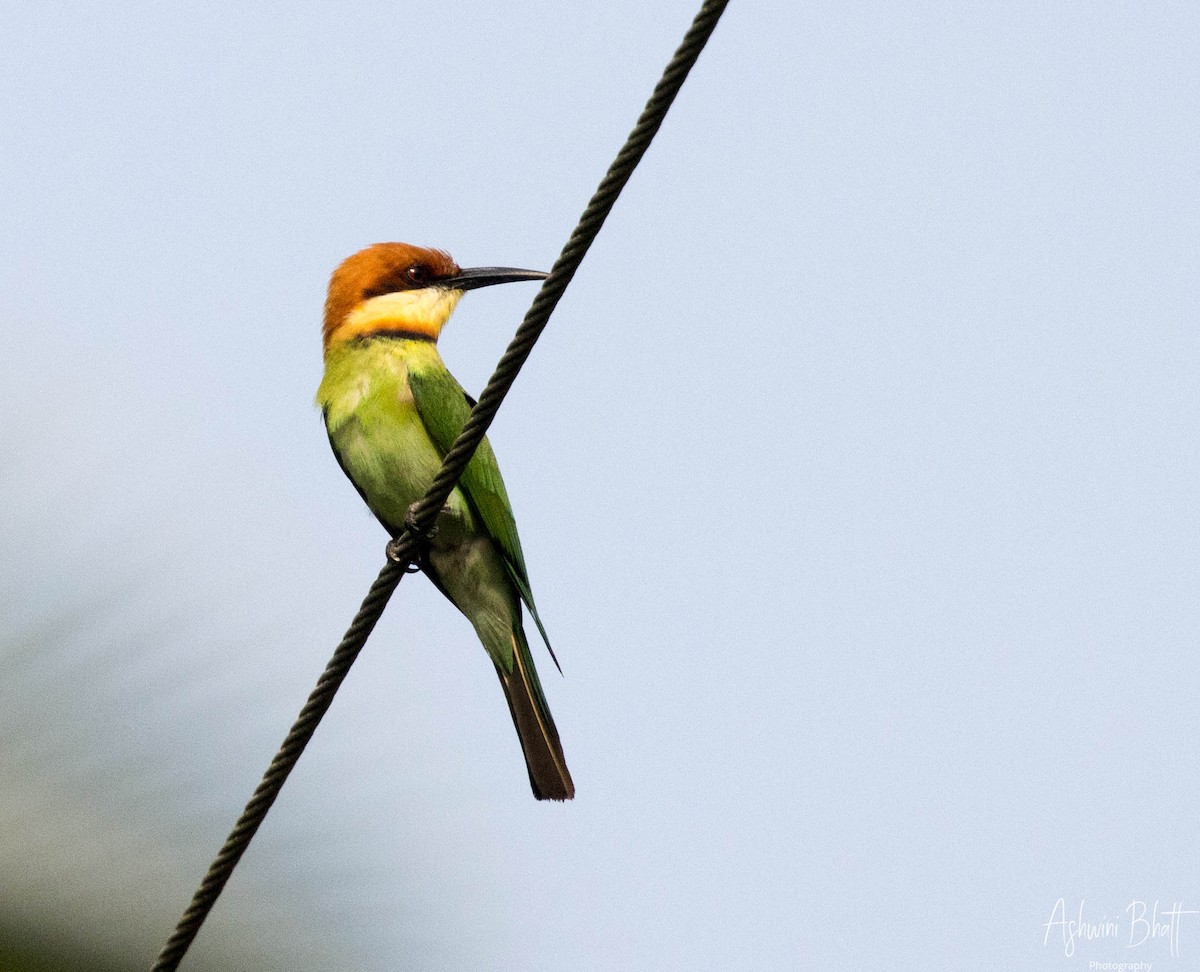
423, 538
393, 554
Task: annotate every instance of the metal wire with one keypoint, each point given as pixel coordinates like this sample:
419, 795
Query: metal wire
422, 515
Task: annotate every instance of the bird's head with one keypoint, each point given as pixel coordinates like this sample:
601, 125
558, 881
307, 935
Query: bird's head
402, 290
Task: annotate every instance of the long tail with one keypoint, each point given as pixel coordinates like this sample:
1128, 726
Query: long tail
548, 773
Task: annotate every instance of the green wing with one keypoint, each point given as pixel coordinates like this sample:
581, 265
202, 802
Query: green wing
444, 408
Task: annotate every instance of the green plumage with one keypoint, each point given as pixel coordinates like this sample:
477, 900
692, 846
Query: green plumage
392, 411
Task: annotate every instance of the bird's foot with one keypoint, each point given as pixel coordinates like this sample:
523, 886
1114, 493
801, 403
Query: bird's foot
411, 529
394, 555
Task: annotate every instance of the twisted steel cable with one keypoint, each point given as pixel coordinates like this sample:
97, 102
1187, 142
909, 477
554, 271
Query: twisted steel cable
422, 515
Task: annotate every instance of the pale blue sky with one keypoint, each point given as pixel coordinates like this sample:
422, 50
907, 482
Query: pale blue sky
856, 475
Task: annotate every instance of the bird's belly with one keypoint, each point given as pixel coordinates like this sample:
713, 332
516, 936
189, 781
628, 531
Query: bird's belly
392, 464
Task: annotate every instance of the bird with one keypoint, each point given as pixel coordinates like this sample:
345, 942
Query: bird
392, 410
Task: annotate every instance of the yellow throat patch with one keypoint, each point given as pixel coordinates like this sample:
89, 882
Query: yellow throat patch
422, 312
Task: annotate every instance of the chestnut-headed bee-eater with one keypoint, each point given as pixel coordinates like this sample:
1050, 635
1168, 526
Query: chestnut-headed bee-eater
392, 411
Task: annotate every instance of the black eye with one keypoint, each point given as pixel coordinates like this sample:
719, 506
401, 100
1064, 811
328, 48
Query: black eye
418, 275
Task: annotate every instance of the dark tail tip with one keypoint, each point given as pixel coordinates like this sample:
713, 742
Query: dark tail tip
548, 773
560, 787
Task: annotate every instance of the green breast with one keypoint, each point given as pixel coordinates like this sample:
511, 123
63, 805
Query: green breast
374, 425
